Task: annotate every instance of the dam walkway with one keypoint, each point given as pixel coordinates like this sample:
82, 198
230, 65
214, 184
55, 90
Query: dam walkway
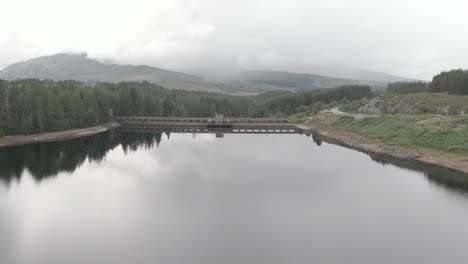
218, 124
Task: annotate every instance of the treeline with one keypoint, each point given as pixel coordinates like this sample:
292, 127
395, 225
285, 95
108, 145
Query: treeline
34, 106
311, 101
146, 99
453, 82
408, 87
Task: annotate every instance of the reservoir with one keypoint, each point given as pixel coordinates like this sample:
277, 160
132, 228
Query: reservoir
195, 198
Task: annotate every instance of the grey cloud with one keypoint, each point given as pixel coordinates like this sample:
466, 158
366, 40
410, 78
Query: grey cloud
410, 38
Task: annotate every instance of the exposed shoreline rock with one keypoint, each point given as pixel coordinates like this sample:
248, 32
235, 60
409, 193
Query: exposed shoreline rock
380, 106
10, 141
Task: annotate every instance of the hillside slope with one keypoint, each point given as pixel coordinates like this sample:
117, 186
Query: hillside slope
82, 68
348, 72
282, 80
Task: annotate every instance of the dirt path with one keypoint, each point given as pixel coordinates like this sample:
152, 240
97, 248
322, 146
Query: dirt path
334, 135
335, 111
55, 136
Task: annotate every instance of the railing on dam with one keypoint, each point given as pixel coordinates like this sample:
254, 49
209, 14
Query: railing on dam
208, 130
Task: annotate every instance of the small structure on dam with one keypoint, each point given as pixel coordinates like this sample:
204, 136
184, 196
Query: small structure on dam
219, 122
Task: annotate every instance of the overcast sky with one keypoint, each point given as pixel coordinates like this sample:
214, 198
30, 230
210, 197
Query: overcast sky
411, 38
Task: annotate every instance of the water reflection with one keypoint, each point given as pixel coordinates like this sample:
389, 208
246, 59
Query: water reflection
142, 198
44, 160
439, 175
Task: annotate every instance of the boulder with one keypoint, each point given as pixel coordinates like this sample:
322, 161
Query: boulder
443, 110
369, 110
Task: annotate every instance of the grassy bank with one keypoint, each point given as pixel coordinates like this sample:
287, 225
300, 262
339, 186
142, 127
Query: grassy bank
424, 103
444, 133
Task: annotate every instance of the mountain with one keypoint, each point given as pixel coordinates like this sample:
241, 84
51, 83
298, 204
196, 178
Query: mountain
348, 72
257, 81
80, 67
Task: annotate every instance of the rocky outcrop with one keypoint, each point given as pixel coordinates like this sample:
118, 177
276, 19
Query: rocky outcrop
381, 106
443, 110
372, 108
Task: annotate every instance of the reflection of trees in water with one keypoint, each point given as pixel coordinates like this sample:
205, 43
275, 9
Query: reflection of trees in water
315, 138
436, 174
43, 160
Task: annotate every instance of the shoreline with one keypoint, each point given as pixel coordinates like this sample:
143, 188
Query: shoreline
369, 146
17, 140
324, 132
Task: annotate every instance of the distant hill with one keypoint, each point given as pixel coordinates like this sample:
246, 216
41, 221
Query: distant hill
257, 81
81, 68
315, 76
347, 72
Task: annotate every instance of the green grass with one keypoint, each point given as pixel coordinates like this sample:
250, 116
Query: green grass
428, 131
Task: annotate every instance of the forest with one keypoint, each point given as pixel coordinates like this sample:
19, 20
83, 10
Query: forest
452, 82
35, 106
408, 87
312, 100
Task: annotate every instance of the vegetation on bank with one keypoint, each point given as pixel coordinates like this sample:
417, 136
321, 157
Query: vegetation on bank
445, 133
431, 102
418, 103
412, 114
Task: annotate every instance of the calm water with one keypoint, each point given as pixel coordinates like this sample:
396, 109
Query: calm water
140, 198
